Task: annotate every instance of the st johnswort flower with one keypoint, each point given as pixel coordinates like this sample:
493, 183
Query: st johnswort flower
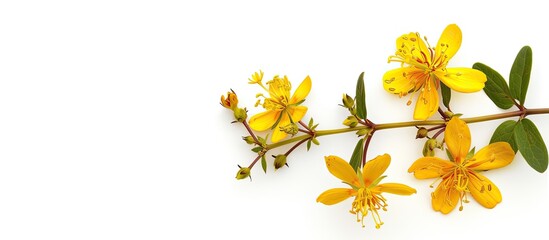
364, 185
462, 175
281, 109
423, 68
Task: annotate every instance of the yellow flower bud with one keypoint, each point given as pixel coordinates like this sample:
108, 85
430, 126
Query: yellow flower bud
429, 147
421, 132
243, 173
363, 132
231, 101
240, 114
280, 161
348, 101
291, 128
350, 121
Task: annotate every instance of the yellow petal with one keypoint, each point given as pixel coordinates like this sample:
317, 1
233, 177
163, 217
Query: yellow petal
464, 80
449, 42
342, 170
374, 168
297, 113
335, 195
401, 80
302, 91
395, 188
445, 199
458, 139
430, 167
277, 133
484, 191
265, 120
495, 155
410, 46
427, 102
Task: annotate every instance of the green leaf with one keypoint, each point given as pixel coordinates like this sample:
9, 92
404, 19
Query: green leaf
505, 133
531, 145
356, 158
264, 163
449, 154
495, 87
310, 123
257, 149
360, 97
470, 154
520, 74
446, 94
308, 145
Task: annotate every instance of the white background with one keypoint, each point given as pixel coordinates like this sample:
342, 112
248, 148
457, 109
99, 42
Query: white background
111, 128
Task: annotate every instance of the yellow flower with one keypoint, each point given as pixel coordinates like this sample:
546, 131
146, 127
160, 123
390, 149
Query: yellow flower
256, 78
281, 109
461, 175
364, 187
423, 67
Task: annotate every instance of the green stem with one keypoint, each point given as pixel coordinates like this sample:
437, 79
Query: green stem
518, 113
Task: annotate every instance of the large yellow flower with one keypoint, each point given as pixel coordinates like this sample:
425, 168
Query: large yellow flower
281, 109
423, 67
461, 175
364, 187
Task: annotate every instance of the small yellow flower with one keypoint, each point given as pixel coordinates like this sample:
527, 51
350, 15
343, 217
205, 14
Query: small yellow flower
423, 67
256, 78
461, 175
231, 101
364, 187
281, 109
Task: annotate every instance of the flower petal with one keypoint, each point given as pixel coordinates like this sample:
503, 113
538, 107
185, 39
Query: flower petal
410, 46
464, 80
430, 167
484, 191
277, 133
458, 139
449, 42
342, 170
335, 195
495, 155
265, 120
427, 102
297, 113
302, 91
374, 168
401, 80
395, 188
445, 199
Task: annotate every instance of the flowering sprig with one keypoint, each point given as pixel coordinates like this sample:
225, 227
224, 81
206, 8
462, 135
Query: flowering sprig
424, 73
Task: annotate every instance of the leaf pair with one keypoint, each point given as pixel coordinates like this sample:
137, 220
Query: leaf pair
496, 87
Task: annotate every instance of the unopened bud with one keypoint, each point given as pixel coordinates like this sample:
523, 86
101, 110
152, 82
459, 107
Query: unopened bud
231, 101
449, 114
348, 101
350, 121
429, 147
240, 114
280, 161
363, 132
291, 128
421, 132
248, 139
243, 173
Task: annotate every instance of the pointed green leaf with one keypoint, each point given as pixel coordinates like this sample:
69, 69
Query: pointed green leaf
308, 145
264, 163
520, 74
449, 154
531, 145
257, 149
505, 133
356, 158
495, 87
310, 123
470, 154
446, 94
360, 97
